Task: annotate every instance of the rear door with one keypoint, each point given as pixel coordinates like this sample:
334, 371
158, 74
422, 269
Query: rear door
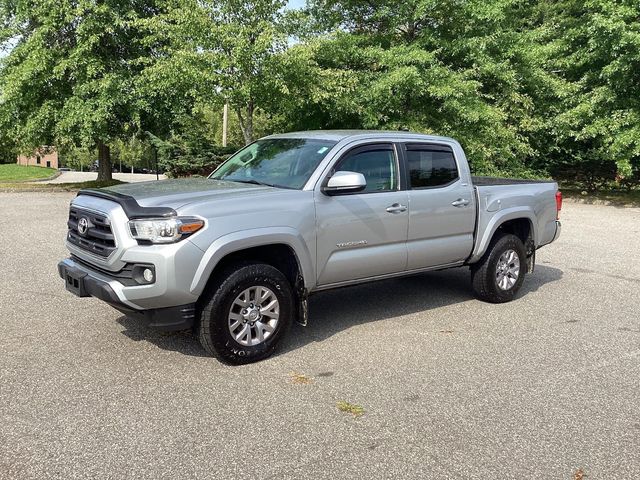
441, 206
363, 234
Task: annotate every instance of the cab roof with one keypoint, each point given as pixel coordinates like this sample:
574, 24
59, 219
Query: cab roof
338, 135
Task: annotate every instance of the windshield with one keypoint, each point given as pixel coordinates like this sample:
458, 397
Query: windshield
277, 162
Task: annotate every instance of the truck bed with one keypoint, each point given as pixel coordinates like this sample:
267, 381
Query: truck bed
489, 181
499, 199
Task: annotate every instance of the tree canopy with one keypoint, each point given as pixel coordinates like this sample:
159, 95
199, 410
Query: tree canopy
73, 75
529, 87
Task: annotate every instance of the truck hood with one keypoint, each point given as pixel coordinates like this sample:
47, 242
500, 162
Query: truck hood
176, 193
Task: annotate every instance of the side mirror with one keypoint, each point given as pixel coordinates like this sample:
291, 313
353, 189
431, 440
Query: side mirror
345, 182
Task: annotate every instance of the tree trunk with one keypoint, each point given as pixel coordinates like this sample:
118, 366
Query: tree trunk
246, 125
104, 162
249, 135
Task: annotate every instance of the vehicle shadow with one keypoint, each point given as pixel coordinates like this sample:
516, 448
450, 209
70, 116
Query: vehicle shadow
336, 310
181, 341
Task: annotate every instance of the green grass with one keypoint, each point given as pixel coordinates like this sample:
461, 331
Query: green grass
12, 172
352, 408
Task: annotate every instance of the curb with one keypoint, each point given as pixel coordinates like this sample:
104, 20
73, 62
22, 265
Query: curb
52, 177
39, 180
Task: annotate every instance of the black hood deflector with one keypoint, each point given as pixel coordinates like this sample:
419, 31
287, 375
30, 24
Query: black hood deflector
129, 204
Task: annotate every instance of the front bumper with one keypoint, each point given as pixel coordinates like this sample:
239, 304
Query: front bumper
85, 282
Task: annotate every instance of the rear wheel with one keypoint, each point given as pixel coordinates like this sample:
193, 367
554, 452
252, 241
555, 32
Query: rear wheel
499, 274
247, 314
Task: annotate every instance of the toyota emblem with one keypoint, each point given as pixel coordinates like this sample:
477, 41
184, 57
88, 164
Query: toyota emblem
83, 226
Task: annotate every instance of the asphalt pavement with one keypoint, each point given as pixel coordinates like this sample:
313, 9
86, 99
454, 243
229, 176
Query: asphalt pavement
545, 387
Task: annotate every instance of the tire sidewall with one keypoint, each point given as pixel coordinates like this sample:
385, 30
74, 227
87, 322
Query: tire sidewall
216, 313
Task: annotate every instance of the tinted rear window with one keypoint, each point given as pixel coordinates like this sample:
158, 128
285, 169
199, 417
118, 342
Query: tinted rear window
431, 166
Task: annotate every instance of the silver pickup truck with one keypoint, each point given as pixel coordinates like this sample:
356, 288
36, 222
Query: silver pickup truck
236, 255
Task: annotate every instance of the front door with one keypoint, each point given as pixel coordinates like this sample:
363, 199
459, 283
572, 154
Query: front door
363, 234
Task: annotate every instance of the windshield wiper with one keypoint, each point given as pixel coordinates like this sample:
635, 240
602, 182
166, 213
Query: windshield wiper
251, 181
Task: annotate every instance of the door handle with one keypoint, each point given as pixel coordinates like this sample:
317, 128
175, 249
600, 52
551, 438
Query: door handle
396, 208
461, 202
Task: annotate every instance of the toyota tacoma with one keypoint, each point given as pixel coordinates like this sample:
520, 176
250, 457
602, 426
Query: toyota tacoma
235, 256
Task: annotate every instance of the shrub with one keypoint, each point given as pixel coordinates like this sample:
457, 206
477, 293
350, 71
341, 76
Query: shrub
178, 162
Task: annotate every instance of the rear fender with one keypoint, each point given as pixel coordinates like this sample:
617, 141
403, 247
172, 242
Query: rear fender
488, 228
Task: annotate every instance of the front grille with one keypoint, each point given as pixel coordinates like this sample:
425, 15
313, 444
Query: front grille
96, 238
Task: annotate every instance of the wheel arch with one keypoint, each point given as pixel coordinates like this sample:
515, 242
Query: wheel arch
282, 248
520, 222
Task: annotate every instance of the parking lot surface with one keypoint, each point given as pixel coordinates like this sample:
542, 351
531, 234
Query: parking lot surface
76, 177
544, 387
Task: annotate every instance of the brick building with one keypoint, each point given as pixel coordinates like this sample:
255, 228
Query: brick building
41, 158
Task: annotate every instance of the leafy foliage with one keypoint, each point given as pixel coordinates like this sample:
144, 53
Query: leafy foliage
78, 158
597, 49
191, 151
528, 87
227, 50
73, 75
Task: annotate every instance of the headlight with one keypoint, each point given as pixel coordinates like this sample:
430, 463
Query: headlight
164, 230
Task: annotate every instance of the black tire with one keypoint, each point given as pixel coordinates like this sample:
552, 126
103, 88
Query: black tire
484, 273
213, 329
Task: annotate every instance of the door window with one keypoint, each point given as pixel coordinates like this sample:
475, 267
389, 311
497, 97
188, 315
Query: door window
378, 165
431, 166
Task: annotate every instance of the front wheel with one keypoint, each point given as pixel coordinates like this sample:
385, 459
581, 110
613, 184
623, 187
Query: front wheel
499, 274
246, 314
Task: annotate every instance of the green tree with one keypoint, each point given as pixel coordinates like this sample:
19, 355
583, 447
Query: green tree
226, 50
78, 158
445, 67
596, 48
7, 150
542, 86
561, 77
193, 146
73, 74
132, 152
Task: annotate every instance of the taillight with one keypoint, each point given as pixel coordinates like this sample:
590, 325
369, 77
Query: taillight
558, 204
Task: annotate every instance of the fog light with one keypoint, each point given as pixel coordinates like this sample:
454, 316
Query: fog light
144, 274
147, 274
